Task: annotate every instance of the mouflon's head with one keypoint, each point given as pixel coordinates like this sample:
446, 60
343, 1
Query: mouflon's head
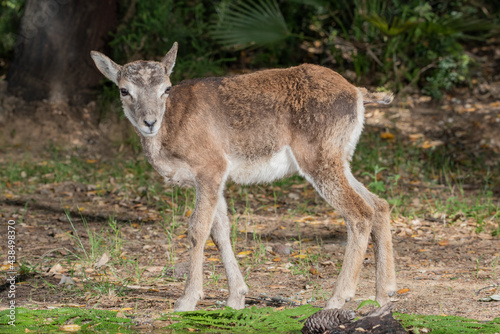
144, 88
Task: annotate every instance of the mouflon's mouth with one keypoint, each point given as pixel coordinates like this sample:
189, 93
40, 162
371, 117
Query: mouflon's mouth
149, 133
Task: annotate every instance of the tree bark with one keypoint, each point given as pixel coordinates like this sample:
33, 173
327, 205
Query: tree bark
51, 59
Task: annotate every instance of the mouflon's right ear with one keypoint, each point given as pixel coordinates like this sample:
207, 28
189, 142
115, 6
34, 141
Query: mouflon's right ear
106, 66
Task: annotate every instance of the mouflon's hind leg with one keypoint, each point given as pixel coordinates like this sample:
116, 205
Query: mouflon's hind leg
384, 255
332, 183
221, 237
382, 241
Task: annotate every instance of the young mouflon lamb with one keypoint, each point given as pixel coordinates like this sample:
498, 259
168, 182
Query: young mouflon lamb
256, 128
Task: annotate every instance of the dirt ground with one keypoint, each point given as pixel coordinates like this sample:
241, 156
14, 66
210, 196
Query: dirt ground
442, 268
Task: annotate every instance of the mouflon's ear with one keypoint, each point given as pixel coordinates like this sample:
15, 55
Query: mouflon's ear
109, 68
169, 59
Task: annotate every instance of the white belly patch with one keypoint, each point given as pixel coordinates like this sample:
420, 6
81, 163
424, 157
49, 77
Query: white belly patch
263, 170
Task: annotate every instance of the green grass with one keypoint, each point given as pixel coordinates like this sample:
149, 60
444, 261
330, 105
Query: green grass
51, 321
447, 324
397, 170
249, 320
227, 320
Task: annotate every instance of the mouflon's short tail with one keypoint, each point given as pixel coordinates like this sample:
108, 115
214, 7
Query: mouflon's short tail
379, 97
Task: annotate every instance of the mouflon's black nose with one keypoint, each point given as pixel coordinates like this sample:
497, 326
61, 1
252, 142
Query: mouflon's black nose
150, 124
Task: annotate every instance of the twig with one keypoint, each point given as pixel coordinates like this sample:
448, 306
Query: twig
422, 70
487, 287
280, 301
34, 203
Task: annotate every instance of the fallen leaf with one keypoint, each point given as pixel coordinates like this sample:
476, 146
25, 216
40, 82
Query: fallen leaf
429, 144
120, 315
300, 256
275, 286
387, 135
313, 271
244, 253
70, 328
416, 136
443, 242
56, 269
5, 267
102, 261
213, 259
277, 259
403, 291
155, 269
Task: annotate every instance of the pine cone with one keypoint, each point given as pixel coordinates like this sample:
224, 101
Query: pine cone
324, 320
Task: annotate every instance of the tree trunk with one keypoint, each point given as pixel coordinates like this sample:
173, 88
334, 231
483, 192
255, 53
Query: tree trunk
52, 55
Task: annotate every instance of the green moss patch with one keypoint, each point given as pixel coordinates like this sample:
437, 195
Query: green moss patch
52, 321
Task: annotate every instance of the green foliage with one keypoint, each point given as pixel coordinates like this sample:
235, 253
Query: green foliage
248, 320
49, 321
368, 302
249, 23
10, 17
149, 28
405, 42
447, 324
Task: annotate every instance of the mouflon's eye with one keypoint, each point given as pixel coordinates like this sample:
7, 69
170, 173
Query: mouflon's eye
124, 91
167, 90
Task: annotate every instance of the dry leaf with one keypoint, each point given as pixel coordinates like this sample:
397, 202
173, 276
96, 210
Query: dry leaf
102, 261
213, 259
244, 253
70, 328
403, 291
300, 256
5, 267
277, 259
443, 242
416, 136
56, 269
429, 144
155, 269
313, 271
120, 315
387, 135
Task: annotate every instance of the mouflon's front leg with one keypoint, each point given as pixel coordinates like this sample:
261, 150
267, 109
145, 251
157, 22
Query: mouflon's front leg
208, 189
221, 237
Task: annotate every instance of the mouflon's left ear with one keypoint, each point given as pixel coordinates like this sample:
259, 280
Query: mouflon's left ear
169, 59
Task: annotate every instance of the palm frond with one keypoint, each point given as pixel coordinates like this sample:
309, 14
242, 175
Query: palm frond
249, 23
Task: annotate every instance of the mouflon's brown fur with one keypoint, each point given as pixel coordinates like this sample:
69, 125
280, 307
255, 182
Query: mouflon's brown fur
257, 128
